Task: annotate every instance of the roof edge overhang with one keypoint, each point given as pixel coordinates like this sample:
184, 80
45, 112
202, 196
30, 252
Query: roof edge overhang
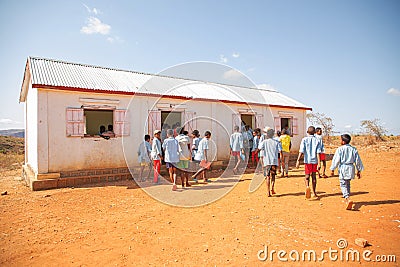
25, 82
101, 91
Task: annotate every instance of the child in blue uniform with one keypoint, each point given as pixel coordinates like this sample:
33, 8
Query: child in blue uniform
346, 159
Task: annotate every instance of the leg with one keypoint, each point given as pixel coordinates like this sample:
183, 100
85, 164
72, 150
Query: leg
287, 164
323, 168
314, 184
157, 168
307, 182
237, 164
273, 182
267, 179
187, 179
171, 174
149, 171
141, 172
345, 187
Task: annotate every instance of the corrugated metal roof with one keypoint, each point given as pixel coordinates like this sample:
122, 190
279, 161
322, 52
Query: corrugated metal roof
62, 74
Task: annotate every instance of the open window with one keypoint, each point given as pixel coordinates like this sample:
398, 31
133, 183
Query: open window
164, 120
289, 123
87, 122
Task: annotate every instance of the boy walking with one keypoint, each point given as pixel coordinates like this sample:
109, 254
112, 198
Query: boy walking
144, 151
286, 146
322, 156
202, 157
237, 146
171, 149
310, 146
345, 158
270, 148
184, 155
156, 155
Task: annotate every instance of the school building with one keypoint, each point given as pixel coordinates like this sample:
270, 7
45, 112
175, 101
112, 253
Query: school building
65, 104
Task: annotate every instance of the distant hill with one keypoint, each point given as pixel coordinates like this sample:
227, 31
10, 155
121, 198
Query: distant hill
13, 132
11, 145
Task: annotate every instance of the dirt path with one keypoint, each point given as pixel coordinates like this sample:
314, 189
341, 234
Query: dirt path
120, 225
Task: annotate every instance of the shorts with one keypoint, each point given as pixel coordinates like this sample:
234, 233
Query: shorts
169, 165
182, 164
144, 163
310, 168
270, 170
235, 153
322, 156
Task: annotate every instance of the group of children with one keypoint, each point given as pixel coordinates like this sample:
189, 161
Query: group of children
177, 153
346, 159
272, 152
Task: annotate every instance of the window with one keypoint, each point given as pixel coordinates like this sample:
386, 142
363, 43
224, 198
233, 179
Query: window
291, 123
96, 118
87, 122
162, 120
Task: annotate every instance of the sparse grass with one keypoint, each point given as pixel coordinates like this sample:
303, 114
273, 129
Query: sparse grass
11, 152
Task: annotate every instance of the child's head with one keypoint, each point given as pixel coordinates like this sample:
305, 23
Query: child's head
284, 131
278, 133
170, 132
269, 131
318, 130
311, 130
207, 134
147, 137
157, 133
195, 133
236, 128
345, 139
185, 132
258, 131
179, 130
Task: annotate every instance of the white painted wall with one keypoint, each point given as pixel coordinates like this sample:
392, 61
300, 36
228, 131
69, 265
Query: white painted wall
57, 152
31, 130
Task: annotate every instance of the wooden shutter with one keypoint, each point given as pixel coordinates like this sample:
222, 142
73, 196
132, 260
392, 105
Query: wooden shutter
277, 124
190, 121
259, 121
75, 122
121, 122
295, 127
236, 121
154, 121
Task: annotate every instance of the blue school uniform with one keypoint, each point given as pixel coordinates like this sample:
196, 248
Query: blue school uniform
270, 149
236, 141
171, 148
346, 159
310, 146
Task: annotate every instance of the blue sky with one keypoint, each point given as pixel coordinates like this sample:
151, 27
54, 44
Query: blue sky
340, 57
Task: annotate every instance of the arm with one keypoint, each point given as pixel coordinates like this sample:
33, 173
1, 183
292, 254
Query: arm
335, 162
359, 165
298, 160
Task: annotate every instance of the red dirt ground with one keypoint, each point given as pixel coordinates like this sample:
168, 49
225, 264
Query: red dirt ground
117, 224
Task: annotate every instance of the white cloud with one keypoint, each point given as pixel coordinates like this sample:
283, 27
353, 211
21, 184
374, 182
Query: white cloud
114, 39
235, 55
251, 69
393, 91
92, 11
232, 74
348, 126
94, 25
223, 59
